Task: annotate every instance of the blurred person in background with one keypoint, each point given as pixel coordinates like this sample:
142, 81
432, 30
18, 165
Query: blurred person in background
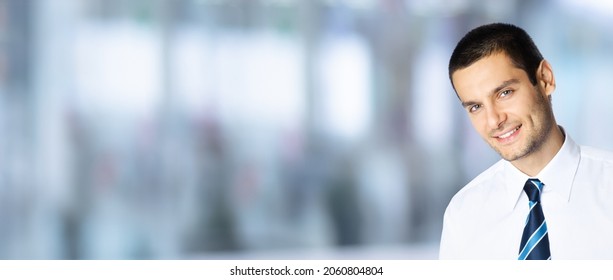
548, 197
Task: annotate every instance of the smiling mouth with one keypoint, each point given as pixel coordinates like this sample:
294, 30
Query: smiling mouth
508, 134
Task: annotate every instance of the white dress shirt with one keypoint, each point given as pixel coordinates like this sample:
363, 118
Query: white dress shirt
485, 219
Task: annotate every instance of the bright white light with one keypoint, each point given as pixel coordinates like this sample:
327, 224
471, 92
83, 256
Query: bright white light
259, 78
346, 80
192, 73
598, 7
431, 105
118, 67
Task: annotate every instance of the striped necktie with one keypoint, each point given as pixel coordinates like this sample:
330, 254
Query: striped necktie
535, 239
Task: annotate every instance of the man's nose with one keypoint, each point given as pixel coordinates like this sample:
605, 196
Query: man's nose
495, 117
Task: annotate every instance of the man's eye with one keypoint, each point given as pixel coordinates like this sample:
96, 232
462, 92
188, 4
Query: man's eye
474, 108
505, 92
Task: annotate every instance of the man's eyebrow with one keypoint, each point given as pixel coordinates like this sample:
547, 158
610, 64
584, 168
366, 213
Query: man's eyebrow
495, 90
505, 84
468, 103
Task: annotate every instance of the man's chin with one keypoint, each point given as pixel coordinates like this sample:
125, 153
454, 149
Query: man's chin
510, 155
513, 156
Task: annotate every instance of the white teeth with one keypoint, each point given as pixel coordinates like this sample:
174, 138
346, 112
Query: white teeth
508, 133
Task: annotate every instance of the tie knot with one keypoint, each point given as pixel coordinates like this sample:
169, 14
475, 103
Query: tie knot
533, 188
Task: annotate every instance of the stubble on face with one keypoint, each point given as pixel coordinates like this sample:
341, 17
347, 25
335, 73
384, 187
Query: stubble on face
543, 124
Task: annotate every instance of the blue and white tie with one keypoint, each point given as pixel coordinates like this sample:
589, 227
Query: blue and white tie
535, 239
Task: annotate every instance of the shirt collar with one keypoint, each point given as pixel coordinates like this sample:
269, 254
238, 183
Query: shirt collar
558, 174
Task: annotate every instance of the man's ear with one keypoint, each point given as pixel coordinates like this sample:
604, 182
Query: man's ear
545, 78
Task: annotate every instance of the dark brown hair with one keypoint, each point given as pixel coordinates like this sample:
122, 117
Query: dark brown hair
494, 38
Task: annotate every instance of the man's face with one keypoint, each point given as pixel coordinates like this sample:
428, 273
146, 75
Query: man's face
512, 115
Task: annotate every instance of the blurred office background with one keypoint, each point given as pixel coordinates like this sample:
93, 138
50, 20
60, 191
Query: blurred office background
191, 129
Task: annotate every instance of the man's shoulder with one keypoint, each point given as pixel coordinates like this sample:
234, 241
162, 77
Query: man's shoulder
478, 186
486, 176
597, 164
597, 154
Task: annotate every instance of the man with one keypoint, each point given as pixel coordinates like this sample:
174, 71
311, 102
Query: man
547, 198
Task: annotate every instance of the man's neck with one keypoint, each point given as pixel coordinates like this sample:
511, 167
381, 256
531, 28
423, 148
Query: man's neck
532, 164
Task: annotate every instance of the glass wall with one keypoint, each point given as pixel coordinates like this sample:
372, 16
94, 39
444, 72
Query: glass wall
206, 129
